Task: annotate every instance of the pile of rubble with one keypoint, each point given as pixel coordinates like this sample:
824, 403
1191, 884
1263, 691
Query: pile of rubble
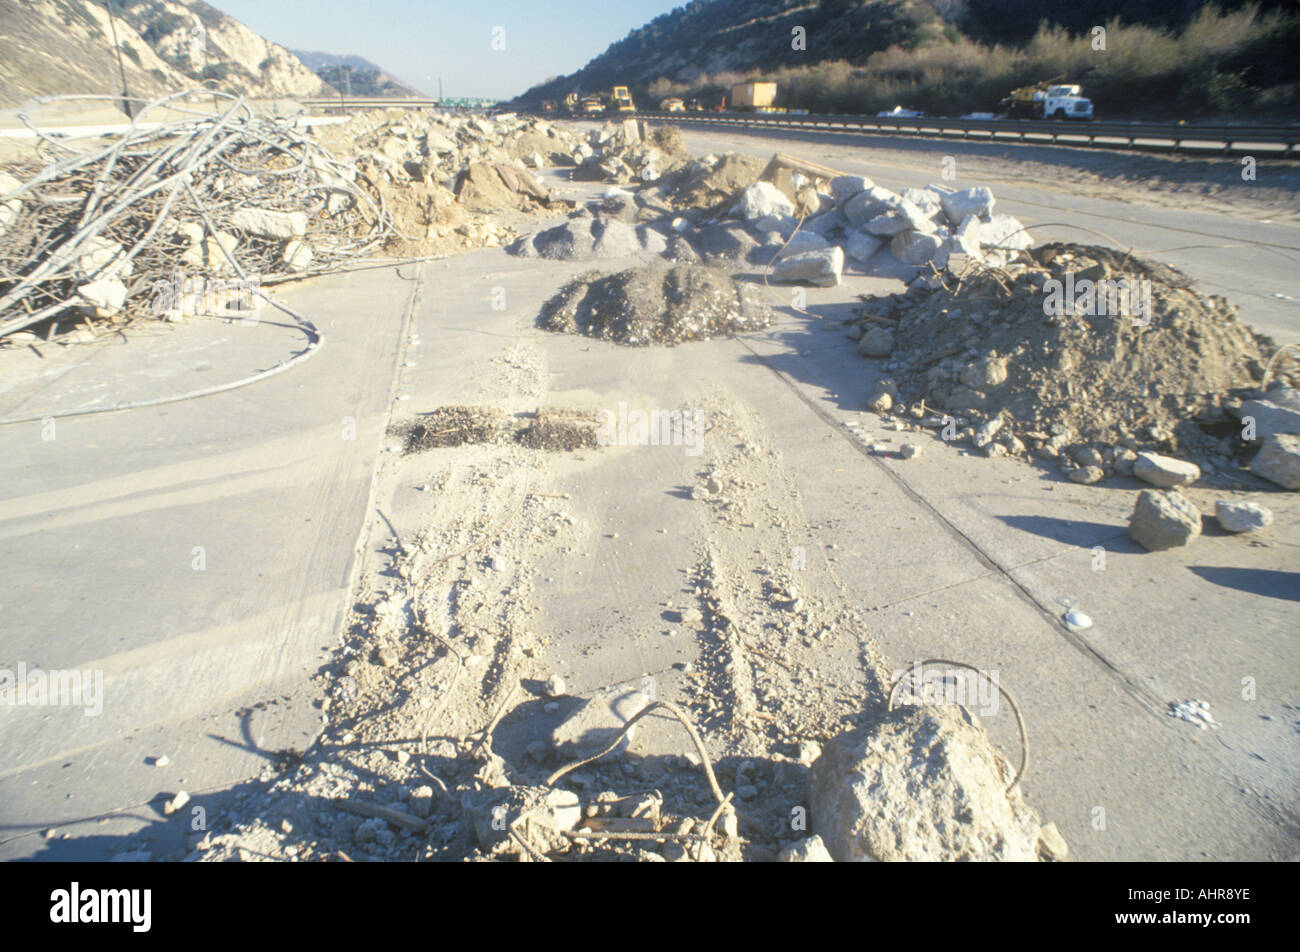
179, 218
1013, 362
628, 152
656, 304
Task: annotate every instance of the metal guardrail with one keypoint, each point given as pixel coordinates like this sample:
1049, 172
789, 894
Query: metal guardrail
1139, 136
1145, 136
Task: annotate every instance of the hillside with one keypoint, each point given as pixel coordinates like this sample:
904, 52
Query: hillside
354, 74
952, 56
64, 46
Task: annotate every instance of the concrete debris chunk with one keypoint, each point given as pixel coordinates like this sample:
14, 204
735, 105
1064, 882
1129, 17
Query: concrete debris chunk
876, 342
917, 248
821, 268
762, 199
923, 783
1278, 460
1241, 516
266, 223
1165, 471
1163, 520
1270, 418
971, 202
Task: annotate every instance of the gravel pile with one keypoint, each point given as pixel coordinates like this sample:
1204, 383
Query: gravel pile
1017, 375
656, 305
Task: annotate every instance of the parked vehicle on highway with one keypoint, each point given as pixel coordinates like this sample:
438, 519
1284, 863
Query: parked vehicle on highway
753, 97
621, 100
1048, 101
898, 112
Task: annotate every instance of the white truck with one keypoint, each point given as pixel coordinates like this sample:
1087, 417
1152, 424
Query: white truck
1048, 101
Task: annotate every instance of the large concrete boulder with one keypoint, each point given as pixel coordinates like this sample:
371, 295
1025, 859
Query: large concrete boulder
867, 204
762, 199
861, 246
1278, 460
1006, 233
922, 784
959, 206
1270, 418
844, 187
1163, 520
802, 241
876, 342
822, 268
1241, 516
916, 248
1165, 471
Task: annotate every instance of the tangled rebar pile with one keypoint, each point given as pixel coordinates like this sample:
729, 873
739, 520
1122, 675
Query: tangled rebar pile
150, 221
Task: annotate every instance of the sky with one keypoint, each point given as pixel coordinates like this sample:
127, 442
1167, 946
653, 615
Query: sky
418, 41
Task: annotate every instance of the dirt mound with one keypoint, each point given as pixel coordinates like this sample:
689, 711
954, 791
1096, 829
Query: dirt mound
1003, 353
656, 305
712, 180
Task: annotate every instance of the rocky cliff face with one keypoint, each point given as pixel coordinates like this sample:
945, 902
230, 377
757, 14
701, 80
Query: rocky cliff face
50, 47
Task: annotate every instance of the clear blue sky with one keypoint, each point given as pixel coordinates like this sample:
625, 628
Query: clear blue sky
419, 40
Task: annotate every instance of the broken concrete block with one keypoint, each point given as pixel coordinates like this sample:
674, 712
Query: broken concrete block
861, 246
803, 241
103, 258
959, 206
922, 784
844, 187
966, 238
1241, 516
809, 850
876, 342
1165, 471
1270, 418
825, 222
821, 268
866, 205
914, 248
926, 199
761, 199
1163, 520
888, 224
1278, 460
1006, 233
266, 223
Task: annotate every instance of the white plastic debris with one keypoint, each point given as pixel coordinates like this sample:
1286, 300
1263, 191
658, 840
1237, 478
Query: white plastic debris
1194, 712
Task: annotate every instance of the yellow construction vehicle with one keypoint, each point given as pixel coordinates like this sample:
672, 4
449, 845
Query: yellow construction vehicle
591, 104
571, 102
622, 100
672, 105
